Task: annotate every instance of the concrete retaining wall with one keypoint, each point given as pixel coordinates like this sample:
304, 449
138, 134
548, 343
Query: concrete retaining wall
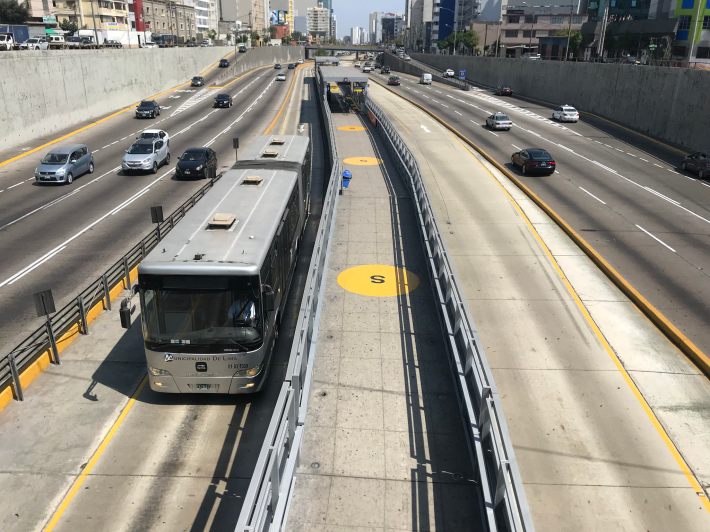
670, 104
46, 91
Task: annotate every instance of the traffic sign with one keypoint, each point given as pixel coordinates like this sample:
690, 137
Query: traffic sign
462, 75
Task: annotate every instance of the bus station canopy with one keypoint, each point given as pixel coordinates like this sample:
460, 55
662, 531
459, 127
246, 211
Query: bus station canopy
338, 74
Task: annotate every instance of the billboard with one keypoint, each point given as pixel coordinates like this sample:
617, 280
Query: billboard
278, 17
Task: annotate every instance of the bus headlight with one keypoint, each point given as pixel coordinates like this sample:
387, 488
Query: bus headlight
157, 372
251, 372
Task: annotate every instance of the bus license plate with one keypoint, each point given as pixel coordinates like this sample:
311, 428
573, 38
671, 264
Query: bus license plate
202, 387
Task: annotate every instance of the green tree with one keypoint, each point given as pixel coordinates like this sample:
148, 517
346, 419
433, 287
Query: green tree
12, 13
467, 40
212, 34
68, 25
575, 39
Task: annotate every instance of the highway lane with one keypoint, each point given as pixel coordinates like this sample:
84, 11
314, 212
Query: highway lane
104, 219
649, 220
184, 462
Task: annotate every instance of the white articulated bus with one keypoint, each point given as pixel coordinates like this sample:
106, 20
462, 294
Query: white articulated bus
211, 293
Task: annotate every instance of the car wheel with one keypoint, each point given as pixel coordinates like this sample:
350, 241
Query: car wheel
702, 174
91, 168
167, 158
69, 179
158, 112
155, 167
683, 166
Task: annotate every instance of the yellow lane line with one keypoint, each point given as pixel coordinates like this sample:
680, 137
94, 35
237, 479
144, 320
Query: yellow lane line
79, 481
270, 127
468, 145
97, 122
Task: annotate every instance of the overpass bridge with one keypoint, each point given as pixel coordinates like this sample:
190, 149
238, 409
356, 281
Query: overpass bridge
449, 359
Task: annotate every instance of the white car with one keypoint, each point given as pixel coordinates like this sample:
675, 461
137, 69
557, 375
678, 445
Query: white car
367, 68
155, 134
300, 61
499, 121
34, 43
565, 113
281, 77
449, 73
149, 44
357, 64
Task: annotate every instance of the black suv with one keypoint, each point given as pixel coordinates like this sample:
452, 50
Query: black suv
698, 162
198, 81
148, 109
197, 162
291, 66
277, 66
385, 70
223, 63
503, 90
223, 100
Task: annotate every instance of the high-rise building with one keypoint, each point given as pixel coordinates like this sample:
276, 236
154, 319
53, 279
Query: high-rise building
392, 27
421, 15
319, 22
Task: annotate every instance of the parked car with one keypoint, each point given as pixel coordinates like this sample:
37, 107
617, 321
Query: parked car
385, 70
534, 160
63, 164
112, 43
223, 100
291, 66
393, 80
73, 42
146, 155
223, 63
698, 162
565, 113
7, 42
532, 57
197, 81
158, 134
191, 44
149, 44
499, 121
281, 77
503, 90
277, 66
56, 41
34, 43
88, 42
148, 109
197, 162
449, 73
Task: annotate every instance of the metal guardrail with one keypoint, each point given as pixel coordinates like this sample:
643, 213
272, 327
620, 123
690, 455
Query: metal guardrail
488, 438
74, 314
265, 503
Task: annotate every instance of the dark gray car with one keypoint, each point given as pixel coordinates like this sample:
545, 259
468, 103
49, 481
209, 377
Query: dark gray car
63, 164
698, 163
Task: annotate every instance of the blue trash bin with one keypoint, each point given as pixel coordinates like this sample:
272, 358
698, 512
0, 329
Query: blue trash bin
347, 176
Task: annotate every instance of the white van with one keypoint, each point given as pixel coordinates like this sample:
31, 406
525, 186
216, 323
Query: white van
425, 79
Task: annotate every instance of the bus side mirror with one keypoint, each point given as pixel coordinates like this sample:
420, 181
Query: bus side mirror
125, 314
269, 300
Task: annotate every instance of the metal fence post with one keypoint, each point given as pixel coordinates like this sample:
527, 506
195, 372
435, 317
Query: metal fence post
84, 329
53, 342
16, 384
107, 292
275, 480
126, 273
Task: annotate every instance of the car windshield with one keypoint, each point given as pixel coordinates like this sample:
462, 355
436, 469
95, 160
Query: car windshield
223, 96
186, 312
140, 148
501, 117
193, 156
196, 79
55, 158
539, 155
150, 135
145, 105
569, 109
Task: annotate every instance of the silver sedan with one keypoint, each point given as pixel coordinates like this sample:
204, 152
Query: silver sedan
499, 121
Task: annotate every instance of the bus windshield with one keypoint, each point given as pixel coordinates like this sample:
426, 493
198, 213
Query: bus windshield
201, 314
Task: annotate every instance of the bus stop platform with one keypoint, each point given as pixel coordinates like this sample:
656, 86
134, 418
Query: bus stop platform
384, 445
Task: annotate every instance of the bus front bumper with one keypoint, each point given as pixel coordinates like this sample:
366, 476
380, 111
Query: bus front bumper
222, 385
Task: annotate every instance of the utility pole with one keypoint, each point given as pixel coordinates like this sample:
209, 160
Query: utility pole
93, 17
569, 31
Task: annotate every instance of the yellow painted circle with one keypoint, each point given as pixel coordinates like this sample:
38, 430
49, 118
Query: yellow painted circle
378, 280
351, 128
362, 161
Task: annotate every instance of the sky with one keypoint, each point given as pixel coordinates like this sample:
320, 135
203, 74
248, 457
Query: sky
351, 13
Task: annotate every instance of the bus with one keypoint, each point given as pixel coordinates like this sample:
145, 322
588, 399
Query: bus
213, 290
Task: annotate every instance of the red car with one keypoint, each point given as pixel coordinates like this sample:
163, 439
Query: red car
534, 161
393, 80
503, 90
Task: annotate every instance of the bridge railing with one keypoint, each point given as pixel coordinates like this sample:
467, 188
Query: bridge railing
488, 438
268, 493
73, 318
